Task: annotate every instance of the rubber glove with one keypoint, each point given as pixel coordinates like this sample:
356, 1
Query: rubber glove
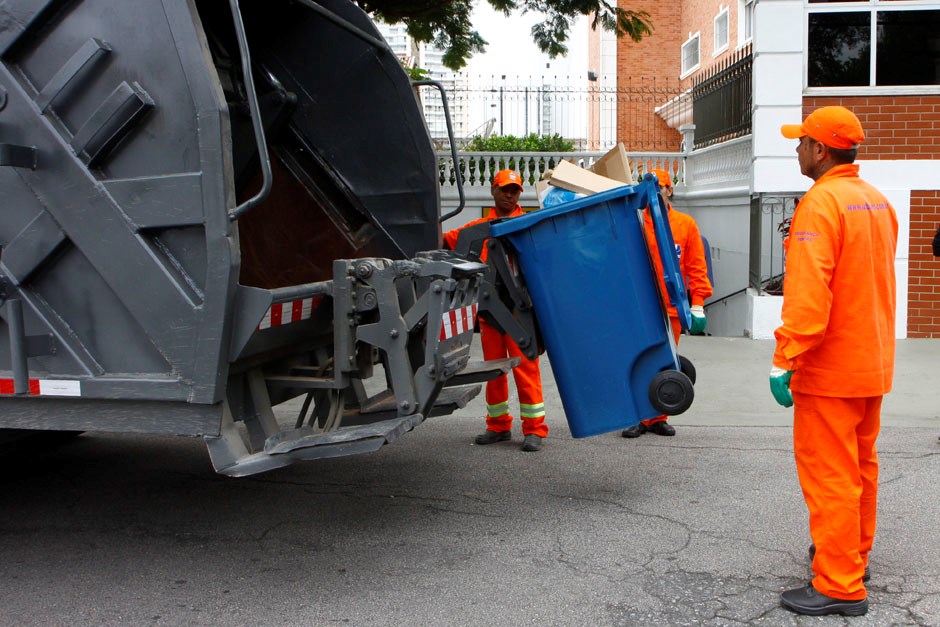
698, 319
780, 386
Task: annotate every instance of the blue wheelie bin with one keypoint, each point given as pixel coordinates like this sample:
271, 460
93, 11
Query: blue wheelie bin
597, 300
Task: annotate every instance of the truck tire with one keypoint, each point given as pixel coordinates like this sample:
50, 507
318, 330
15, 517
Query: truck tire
671, 392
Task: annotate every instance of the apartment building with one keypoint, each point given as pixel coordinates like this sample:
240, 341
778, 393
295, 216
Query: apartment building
880, 58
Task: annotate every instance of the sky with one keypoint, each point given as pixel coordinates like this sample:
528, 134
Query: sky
511, 50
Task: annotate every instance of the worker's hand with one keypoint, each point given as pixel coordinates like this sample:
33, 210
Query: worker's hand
780, 386
698, 319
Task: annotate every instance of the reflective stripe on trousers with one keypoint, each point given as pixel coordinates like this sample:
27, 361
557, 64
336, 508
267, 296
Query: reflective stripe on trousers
528, 381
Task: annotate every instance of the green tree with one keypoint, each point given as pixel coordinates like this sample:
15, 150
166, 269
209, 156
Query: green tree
447, 22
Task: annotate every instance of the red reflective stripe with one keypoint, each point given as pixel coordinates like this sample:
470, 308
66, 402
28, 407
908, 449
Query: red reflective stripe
6, 386
276, 315
457, 321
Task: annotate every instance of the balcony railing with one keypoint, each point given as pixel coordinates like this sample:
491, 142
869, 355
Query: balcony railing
478, 169
721, 100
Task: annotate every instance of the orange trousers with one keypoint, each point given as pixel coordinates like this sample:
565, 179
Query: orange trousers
676, 333
836, 461
528, 380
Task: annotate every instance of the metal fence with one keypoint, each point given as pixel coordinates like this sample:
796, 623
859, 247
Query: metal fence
770, 224
590, 114
721, 100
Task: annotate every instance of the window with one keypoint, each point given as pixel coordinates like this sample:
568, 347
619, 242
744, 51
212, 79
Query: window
690, 54
857, 46
745, 21
721, 32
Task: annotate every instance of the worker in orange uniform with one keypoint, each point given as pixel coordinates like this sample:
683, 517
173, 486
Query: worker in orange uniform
506, 188
694, 267
834, 358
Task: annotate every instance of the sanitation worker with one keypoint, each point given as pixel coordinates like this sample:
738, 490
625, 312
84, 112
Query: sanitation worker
834, 358
506, 188
692, 263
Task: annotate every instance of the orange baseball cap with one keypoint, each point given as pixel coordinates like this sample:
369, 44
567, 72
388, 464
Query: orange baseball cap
507, 177
836, 127
664, 179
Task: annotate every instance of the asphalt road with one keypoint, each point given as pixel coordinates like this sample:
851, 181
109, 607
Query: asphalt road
705, 528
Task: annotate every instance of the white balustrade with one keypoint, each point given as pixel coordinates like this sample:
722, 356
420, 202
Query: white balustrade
477, 170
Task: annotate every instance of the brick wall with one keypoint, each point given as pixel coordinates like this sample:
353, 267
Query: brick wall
700, 17
654, 61
923, 284
896, 127
906, 127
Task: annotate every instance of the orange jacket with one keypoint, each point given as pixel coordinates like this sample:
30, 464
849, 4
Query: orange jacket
450, 237
691, 253
839, 290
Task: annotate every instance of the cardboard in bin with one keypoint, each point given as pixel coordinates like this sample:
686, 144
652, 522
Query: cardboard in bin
586, 265
615, 165
567, 175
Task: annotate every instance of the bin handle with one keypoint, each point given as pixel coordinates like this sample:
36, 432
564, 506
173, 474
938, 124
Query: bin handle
253, 108
672, 276
453, 148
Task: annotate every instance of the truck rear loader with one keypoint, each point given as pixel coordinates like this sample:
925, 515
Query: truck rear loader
210, 208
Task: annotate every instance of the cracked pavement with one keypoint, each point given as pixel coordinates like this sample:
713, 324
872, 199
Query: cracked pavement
705, 528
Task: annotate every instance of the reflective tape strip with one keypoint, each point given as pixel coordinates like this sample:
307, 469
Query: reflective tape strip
457, 321
45, 387
497, 410
280, 314
532, 411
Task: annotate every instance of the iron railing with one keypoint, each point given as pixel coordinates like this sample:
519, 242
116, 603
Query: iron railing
721, 100
593, 115
770, 224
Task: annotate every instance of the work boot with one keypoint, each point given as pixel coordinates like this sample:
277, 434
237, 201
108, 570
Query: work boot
489, 437
812, 554
532, 443
634, 432
807, 600
661, 428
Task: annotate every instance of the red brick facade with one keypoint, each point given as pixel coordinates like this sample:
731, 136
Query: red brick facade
923, 283
906, 128
896, 127
654, 61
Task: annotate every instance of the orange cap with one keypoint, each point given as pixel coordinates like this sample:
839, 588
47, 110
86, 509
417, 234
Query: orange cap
664, 179
836, 127
507, 177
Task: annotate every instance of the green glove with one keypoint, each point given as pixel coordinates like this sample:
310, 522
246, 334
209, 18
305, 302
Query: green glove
698, 320
780, 386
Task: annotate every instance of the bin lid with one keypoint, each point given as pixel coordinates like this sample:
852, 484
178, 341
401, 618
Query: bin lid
635, 197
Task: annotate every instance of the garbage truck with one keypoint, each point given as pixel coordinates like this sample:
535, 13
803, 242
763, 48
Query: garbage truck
211, 208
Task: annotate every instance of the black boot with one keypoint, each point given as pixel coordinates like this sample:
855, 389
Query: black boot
808, 601
635, 431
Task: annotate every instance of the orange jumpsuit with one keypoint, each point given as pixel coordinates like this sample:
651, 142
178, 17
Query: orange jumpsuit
692, 265
838, 336
497, 345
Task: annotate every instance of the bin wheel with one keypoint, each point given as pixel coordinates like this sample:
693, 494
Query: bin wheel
686, 367
671, 392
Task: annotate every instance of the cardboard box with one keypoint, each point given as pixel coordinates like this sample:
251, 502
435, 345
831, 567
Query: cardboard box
615, 165
575, 179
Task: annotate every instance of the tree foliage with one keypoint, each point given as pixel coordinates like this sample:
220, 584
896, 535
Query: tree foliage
447, 24
526, 143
